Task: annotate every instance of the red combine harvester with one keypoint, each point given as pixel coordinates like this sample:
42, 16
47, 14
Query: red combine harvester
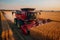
25, 19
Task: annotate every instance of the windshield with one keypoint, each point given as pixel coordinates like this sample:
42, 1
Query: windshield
31, 15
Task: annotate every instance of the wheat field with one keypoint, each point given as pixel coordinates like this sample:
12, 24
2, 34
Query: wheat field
48, 31
51, 15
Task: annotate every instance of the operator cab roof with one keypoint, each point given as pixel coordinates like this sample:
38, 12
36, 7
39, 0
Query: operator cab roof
27, 9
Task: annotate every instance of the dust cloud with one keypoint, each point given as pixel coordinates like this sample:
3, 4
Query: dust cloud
9, 15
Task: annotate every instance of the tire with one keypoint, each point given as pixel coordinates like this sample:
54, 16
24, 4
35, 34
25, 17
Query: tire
25, 31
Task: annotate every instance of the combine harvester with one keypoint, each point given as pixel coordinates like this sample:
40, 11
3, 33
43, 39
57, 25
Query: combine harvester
27, 18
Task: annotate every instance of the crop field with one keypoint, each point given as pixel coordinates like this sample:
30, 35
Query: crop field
51, 15
48, 31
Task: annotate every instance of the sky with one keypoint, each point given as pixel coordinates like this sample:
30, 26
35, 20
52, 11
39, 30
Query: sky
38, 4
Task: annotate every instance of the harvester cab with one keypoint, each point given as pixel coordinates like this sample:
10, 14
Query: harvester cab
29, 12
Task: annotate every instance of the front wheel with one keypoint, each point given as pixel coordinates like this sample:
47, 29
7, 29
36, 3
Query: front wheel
25, 30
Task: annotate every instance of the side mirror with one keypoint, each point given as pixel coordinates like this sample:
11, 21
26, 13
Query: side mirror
13, 13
